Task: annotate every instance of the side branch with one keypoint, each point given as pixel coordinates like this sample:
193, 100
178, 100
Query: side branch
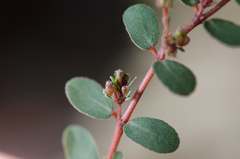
213, 10
165, 20
198, 19
114, 114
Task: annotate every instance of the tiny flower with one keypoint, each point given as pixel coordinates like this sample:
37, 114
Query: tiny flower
121, 77
118, 88
110, 88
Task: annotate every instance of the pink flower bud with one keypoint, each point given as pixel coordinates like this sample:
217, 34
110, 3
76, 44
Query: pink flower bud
109, 88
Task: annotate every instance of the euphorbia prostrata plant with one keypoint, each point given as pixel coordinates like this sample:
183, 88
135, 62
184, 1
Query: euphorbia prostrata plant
88, 97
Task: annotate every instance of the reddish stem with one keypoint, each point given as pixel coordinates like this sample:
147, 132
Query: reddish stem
161, 55
114, 114
165, 20
196, 9
121, 121
116, 139
214, 9
118, 132
119, 112
128, 112
199, 19
153, 50
199, 13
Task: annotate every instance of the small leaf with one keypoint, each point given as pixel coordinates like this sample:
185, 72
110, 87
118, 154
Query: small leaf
113, 80
132, 80
225, 31
142, 25
190, 2
118, 155
154, 134
177, 77
181, 49
78, 143
87, 97
238, 1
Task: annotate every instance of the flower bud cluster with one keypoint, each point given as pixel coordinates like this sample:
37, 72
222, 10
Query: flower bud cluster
171, 43
181, 36
164, 3
118, 88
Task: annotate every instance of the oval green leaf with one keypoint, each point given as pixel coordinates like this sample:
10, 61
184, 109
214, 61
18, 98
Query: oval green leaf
175, 76
142, 25
87, 96
118, 155
78, 143
190, 2
154, 134
225, 31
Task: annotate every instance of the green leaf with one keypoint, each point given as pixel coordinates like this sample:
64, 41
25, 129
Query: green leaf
87, 96
181, 49
142, 25
238, 1
190, 2
225, 31
176, 76
132, 80
78, 143
154, 134
118, 155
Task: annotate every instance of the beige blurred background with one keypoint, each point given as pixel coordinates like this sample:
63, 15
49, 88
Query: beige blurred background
207, 121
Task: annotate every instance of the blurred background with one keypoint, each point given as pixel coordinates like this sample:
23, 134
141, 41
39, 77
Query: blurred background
43, 44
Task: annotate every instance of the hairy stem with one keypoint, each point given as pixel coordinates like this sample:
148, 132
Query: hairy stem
199, 19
